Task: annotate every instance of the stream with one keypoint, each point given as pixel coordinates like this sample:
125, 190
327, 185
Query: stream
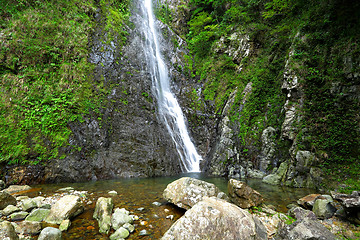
136, 193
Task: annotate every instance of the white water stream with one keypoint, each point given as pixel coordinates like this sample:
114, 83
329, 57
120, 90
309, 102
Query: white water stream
169, 109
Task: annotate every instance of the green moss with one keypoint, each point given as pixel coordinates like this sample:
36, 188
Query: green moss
45, 77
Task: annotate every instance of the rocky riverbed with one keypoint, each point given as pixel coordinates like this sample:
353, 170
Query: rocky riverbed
189, 209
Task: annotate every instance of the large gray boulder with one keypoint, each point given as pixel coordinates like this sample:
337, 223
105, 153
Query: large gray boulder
186, 192
6, 199
7, 231
102, 213
28, 204
305, 229
214, 218
243, 195
50, 233
67, 207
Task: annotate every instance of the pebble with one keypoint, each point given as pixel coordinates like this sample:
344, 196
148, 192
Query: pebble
156, 204
171, 217
141, 209
113, 192
143, 223
166, 210
144, 233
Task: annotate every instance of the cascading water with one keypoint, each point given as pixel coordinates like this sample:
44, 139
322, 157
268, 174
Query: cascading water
169, 109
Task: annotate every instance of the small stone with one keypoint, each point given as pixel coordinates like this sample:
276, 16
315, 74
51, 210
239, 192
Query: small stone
171, 217
141, 209
134, 217
18, 216
10, 209
64, 225
156, 204
144, 233
129, 227
50, 233
166, 210
120, 233
143, 223
113, 192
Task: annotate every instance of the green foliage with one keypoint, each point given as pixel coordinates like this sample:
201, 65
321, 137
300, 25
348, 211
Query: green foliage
45, 77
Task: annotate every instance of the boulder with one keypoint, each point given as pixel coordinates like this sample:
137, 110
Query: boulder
120, 217
16, 188
10, 209
121, 233
350, 204
305, 229
323, 208
28, 227
50, 233
309, 200
38, 215
243, 195
214, 218
299, 213
186, 192
6, 199
7, 231
67, 207
102, 213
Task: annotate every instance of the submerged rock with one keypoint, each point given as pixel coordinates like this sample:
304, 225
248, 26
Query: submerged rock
102, 213
64, 225
214, 218
243, 195
67, 207
186, 192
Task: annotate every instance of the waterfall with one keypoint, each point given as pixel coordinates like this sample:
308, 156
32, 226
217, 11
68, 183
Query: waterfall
169, 109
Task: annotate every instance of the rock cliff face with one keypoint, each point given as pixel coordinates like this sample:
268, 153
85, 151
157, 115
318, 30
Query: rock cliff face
288, 150
129, 141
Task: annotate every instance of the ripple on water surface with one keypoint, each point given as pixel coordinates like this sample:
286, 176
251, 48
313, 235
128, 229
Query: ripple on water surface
137, 195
